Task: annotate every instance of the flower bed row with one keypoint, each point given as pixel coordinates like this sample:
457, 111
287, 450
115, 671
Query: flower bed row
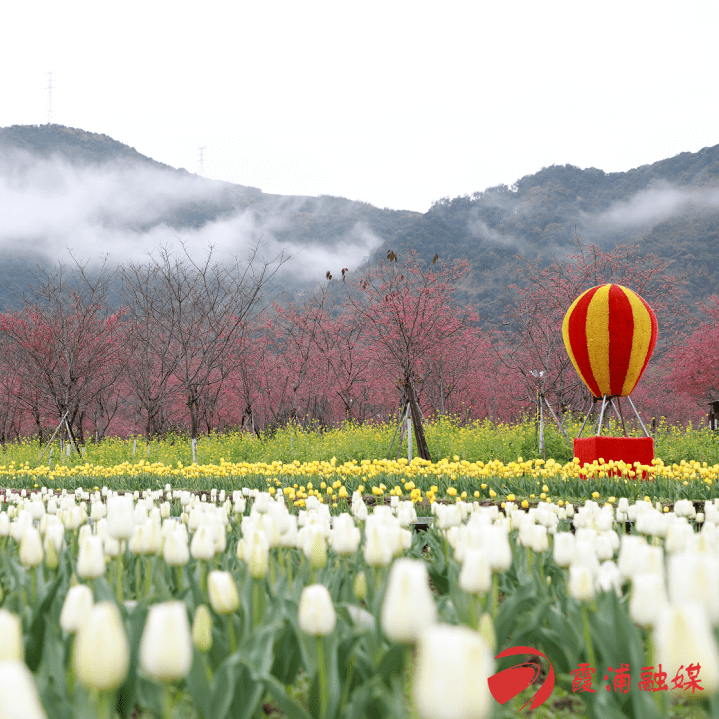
111, 600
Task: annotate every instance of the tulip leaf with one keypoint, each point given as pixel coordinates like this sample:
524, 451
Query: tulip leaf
51, 683
438, 568
134, 624
36, 638
511, 610
195, 590
150, 695
247, 694
198, 682
221, 691
83, 705
102, 591
233, 686
287, 655
553, 644
392, 663
367, 700
289, 707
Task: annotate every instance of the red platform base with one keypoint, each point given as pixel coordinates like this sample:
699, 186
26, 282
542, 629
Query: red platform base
618, 449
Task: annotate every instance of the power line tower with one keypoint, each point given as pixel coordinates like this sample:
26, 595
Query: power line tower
201, 162
50, 100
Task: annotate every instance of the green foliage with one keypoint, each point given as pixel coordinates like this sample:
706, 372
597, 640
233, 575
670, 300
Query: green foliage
476, 441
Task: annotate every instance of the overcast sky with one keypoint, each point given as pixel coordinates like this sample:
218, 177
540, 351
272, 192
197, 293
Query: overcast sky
394, 103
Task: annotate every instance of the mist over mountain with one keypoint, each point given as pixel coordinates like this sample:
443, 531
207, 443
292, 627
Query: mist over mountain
65, 188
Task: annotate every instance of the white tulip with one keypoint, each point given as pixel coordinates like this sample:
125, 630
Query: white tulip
647, 600
475, 576
316, 613
102, 652
222, 590
580, 585
20, 698
683, 637
90, 558
166, 644
408, 606
451, 672
120, 516
76, 607
11, 646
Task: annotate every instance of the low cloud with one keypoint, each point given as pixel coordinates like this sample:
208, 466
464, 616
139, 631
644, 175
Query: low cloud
656, 204
127, 210
480, 229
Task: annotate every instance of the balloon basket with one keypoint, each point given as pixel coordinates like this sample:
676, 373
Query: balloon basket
618, 449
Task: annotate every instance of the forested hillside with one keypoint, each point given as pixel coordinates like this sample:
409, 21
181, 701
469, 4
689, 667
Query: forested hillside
671, 207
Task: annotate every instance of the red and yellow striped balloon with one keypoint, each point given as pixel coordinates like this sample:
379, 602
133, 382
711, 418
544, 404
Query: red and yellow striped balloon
610, 333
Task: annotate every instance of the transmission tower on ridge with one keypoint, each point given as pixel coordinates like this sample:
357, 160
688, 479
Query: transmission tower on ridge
50, 100
201, 163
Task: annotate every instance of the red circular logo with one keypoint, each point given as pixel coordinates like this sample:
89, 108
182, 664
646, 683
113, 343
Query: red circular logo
505, 685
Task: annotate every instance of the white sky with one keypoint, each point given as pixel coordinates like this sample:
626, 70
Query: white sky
393, 103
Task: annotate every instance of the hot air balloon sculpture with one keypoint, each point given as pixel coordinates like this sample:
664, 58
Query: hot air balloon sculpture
610, 333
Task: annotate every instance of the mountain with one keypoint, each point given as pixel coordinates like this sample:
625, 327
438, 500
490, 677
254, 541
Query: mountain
65, 185
671, 208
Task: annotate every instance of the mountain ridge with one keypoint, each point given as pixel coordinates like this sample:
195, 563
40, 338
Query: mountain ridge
670, 207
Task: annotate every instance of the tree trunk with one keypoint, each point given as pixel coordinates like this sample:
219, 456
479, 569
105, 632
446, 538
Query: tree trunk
422, 449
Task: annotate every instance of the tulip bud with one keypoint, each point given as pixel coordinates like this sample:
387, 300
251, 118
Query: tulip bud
202, 629
203, 543
345, 536
453, 657
316, 613
259, 561
37, 509
221, 587
378, 549
240, 551
360, 586
647, 600
694, 577
137, 541
85, 531
20, 698
683, 636
51, 560
486, 630
91, 558
102, 652
261, 503
475, 576
609, 578
221, 539
56, 534
152, 537
176, 552
408, 606
11, 647
498, 550
580, 585
120, 516
564, 549
166, 644
76, 607
98, 511
31, 548
315, 548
